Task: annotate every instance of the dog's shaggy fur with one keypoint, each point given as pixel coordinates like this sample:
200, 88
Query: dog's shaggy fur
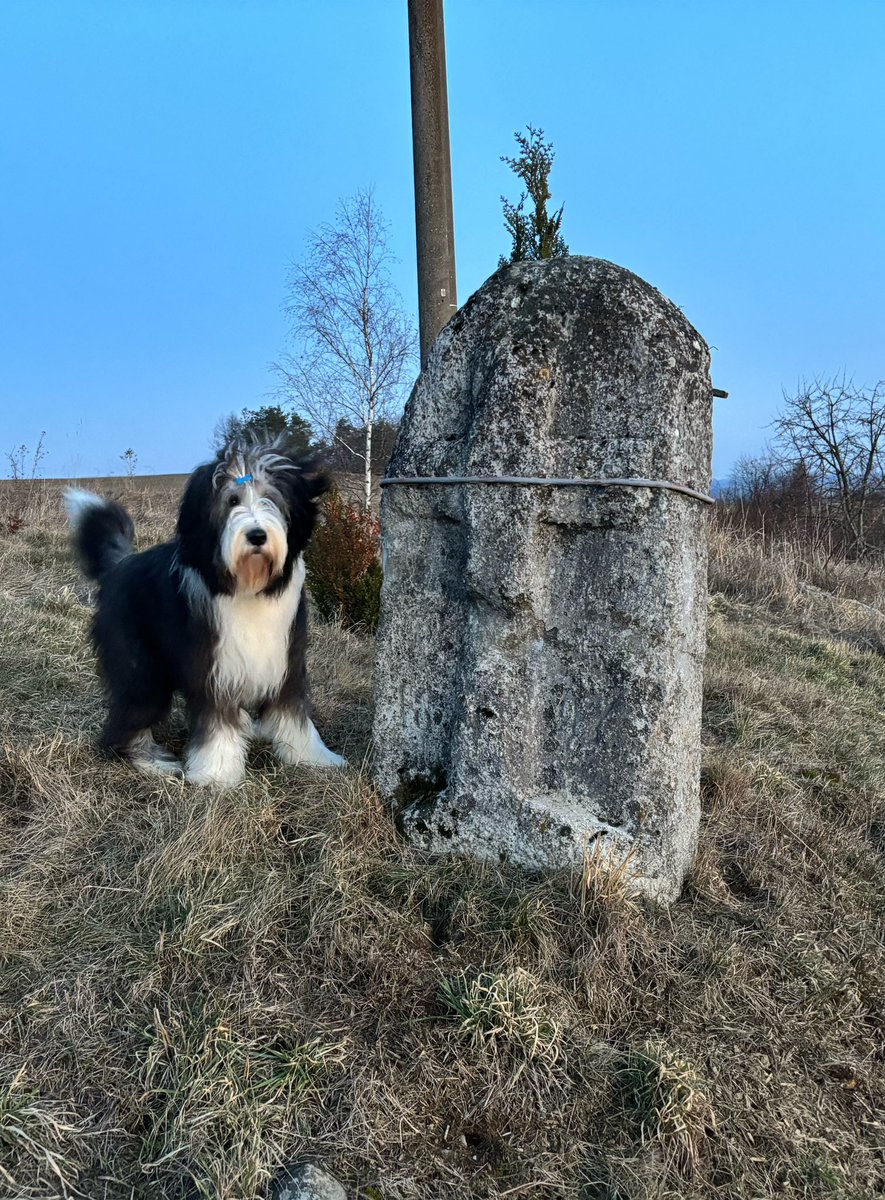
217, 614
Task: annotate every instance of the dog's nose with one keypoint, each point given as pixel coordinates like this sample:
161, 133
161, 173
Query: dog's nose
256, 537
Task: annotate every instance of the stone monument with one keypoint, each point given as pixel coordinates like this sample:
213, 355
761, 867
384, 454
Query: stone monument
540, 652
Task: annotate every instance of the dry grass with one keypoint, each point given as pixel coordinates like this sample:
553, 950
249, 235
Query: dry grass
195, 988
811, 586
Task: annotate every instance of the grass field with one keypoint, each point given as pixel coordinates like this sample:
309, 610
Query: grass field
198, 987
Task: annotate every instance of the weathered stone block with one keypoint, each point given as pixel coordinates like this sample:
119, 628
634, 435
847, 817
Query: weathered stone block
539, 661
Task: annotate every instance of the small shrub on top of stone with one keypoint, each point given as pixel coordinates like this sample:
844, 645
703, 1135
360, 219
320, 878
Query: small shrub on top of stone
344, 565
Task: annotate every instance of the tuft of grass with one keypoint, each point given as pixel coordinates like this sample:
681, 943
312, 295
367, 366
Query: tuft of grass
502, 1011
811, 586
817, 1179
607, 891
666, 1094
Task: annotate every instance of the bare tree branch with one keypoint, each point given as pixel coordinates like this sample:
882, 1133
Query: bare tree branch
836, 429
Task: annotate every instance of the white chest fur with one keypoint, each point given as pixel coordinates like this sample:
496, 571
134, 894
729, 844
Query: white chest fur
253, 641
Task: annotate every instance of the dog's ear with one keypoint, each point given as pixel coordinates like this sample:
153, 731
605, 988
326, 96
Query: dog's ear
303, 475
196, 546
314, 476
193, 513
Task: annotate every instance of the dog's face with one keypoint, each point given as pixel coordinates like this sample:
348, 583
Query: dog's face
251, 513
247, 516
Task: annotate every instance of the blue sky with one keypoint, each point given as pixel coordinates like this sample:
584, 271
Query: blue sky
162, 162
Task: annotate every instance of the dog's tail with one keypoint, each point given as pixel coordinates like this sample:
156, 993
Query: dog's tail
101, 532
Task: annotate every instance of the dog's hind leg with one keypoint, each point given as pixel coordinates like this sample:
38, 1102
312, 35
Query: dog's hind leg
150, 757
127, 733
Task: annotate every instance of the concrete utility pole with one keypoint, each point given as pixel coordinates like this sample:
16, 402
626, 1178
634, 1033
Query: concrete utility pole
434, 213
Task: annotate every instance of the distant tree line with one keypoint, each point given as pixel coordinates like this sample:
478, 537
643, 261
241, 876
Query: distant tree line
822, 479
342, 452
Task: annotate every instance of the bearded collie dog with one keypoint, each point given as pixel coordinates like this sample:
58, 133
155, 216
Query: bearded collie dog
218, 614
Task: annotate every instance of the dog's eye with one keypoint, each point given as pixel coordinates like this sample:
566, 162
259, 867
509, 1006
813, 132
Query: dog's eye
234, 501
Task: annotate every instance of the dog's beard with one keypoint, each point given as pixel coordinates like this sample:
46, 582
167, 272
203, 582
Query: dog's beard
254, 567
254, 571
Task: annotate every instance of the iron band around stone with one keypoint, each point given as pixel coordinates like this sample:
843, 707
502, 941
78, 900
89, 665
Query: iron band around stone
542, 481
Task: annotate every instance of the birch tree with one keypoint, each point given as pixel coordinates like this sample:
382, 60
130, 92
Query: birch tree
353, 346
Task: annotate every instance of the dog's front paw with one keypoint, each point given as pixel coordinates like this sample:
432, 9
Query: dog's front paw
327, 758
219, 761
297, 742
206, 778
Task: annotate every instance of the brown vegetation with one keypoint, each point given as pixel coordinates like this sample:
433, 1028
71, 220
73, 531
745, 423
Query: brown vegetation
344, 564
196, 987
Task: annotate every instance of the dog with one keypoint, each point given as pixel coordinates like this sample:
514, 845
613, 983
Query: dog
218, 615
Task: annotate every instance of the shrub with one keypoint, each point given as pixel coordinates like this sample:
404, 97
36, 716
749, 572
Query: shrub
344, 565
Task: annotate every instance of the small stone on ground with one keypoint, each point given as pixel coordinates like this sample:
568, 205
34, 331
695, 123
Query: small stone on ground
306, 1182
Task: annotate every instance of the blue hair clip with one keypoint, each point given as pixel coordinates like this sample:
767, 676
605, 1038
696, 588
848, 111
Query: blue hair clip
243, 479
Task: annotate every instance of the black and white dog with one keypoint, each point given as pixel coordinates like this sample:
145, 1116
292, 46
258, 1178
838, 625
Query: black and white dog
217, 614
